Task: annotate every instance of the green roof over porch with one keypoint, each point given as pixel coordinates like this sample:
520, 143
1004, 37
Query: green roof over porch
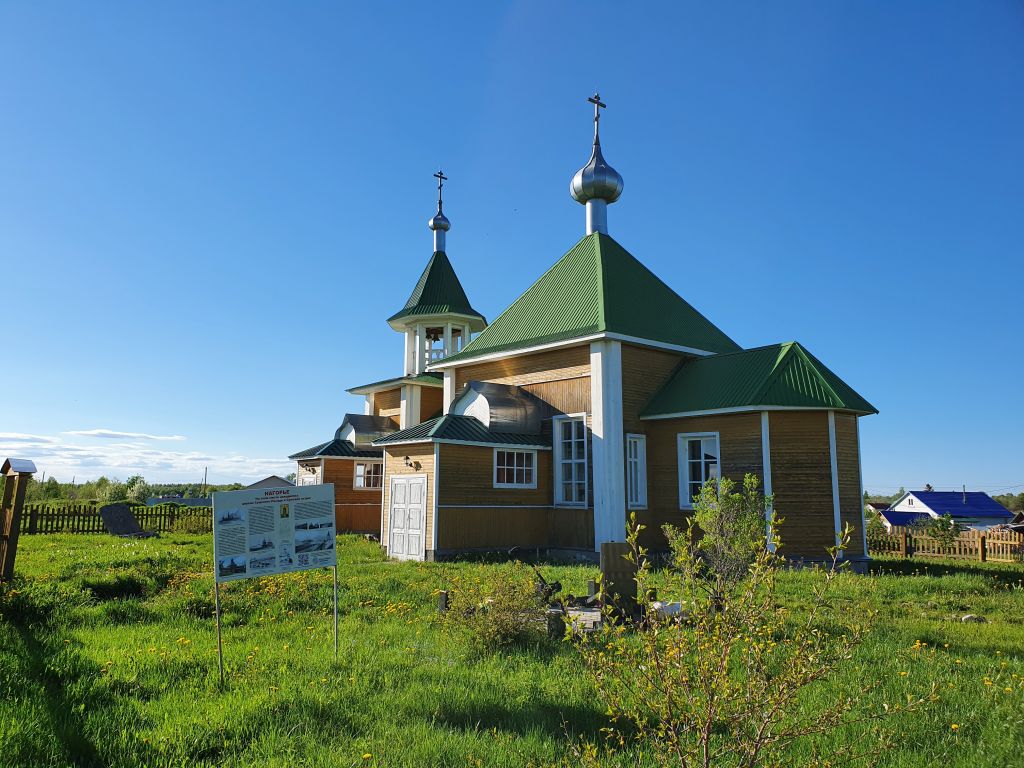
597, 287
775, 376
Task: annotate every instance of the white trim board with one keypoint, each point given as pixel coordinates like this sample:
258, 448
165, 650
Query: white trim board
766, 479
434, 527
577, 341
507, 446
743, 409
834, 461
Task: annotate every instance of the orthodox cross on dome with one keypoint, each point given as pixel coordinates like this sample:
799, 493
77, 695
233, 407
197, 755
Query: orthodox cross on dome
598, 106
441, 179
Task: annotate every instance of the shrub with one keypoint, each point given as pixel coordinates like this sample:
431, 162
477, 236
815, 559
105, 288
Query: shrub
496, 609
192, 524
721, 683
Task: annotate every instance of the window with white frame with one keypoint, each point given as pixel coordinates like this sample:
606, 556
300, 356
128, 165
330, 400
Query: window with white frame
515, 469
570, 444
636, 471
369, 475
699, 461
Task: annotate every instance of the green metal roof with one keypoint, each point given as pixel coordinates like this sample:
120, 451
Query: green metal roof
460, 429
337, 449
778, 375
426, 379
438, 292
597, 287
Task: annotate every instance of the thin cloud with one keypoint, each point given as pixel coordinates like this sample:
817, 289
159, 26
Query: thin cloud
19, 437
115, 435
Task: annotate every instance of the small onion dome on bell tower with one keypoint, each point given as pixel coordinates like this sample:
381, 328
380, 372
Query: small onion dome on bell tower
439, 224
596, 184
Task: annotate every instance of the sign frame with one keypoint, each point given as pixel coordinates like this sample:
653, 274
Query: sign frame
259, 532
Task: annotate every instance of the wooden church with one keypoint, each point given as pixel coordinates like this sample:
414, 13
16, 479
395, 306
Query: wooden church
598, 393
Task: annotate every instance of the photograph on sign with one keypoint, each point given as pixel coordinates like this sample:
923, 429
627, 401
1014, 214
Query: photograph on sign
265, 531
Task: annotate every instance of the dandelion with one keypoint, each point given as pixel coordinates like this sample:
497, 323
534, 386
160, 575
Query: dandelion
954, 727
367, 755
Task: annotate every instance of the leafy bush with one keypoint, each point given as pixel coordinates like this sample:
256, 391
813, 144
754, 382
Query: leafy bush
192, 524
721, 682
496, 609
945, 530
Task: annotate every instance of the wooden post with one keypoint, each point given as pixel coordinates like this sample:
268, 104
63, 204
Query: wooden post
904, 549
33, 518
982, 546
18, 472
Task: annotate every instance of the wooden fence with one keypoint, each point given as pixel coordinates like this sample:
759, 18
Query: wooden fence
85, 518
982, 546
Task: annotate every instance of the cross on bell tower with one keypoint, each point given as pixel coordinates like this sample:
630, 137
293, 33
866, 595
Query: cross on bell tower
441, 179
439, 224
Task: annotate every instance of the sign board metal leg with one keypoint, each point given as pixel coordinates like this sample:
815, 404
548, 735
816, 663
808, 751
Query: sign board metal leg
335, 612
220, 647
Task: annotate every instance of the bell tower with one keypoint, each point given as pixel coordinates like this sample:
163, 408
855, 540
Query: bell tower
437, 320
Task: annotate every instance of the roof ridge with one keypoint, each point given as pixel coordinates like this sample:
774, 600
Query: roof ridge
602, 304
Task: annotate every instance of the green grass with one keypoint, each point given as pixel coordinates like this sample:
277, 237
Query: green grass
108, 657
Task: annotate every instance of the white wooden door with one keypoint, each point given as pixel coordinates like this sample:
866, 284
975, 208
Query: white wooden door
406, 517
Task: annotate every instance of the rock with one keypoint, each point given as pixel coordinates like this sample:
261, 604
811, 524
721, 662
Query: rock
971, 618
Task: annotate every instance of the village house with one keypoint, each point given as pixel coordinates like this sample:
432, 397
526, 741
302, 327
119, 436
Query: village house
971, 509
599, 393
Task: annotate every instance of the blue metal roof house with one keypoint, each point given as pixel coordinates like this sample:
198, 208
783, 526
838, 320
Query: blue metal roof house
972, 509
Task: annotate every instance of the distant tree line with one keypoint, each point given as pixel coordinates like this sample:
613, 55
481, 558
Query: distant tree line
103, 490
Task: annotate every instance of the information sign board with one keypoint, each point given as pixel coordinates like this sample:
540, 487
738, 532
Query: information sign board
265, 531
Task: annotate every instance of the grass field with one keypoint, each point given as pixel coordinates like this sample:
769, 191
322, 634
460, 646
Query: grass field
108, 657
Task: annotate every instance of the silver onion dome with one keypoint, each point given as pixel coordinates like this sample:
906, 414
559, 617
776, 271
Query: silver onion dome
596, 180
439, 222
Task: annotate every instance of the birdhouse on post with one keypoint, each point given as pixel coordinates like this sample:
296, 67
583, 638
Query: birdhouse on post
17, 473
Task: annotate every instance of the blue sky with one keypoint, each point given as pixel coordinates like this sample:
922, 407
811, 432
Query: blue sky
208, 210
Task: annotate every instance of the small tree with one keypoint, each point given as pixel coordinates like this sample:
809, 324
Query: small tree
945, 530
136, 488
721, 684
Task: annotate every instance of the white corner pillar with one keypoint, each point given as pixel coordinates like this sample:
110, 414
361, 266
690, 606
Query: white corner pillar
410, 413
449, 390
607, 447
766, 470
448, 340
860, 479
368, 405
833, 459
410, 352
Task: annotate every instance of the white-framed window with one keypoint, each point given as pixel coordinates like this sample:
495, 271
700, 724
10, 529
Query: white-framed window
369, 475
515, 469
636, 471
570, 448
699, 461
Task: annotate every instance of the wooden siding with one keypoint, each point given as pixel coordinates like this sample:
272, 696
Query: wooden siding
802, 481
355, 509
502, 528
565, 372
394, 464
388, 403
467, 478
850, 500
473, 515
644, 372
431, 399
740, 453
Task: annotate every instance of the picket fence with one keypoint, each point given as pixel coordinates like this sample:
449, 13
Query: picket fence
85, 518
995, 546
